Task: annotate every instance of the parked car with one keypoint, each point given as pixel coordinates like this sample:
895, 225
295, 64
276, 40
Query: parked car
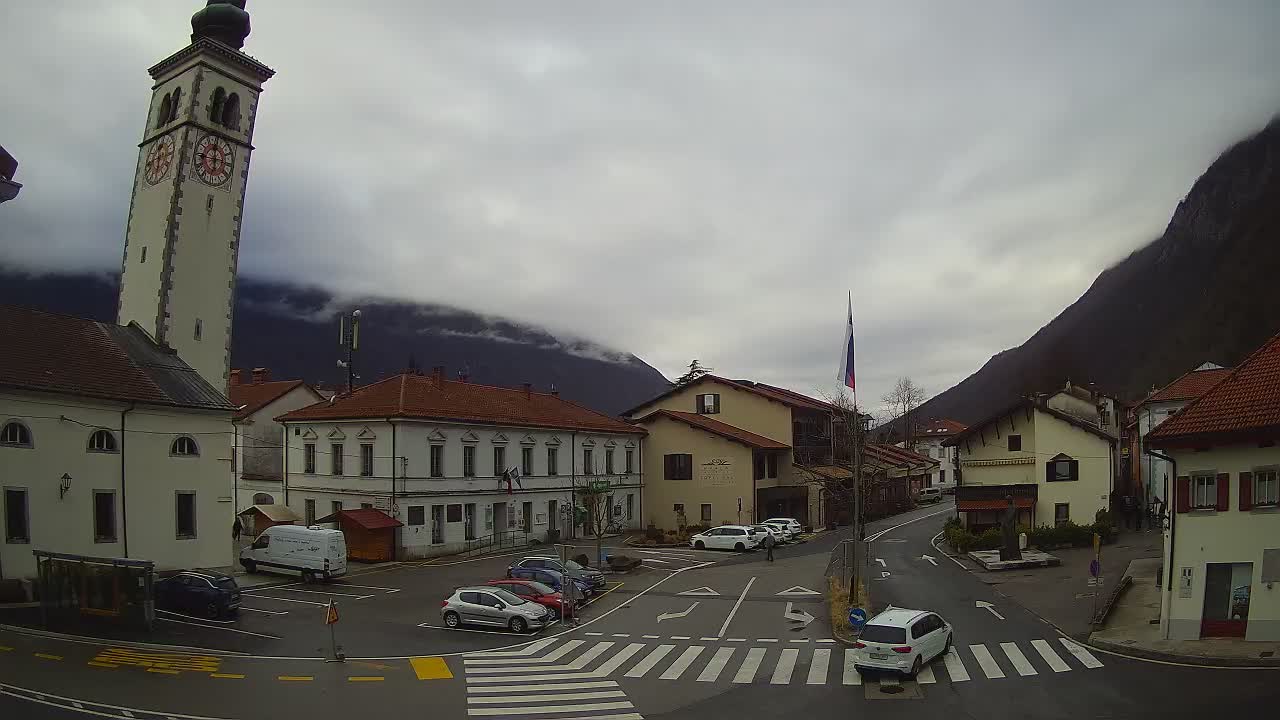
792, 524
727, 537
315, 553
534, 591
901, 640
494, 607
779, 535
592, 579
210, 594
785, 529
553, 579
949, 490
929, 495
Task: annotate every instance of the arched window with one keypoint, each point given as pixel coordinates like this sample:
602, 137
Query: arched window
15, 434
263, 499
185, 447
231, 112
102, 441
215, 105
166, 108
177, 103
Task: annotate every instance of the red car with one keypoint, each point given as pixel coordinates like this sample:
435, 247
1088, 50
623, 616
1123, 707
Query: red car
532, 591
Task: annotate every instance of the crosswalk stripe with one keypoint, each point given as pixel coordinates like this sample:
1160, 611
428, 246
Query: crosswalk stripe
786, 665
542, 677
589, 656
653, 658
851, 674
497, 700
988, 663
716, 666
547, 709
617, 660
1050, 657
524, 659
747, 671
682, 663
955, 667
925, 676
1085, 657
590, 684
531, 649
1020, 662
818, 668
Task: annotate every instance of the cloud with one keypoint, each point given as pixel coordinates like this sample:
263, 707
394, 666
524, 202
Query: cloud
676, 179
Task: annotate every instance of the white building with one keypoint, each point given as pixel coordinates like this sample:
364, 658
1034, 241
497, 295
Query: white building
257, 461
1222, 540
1156, 474
929, 441
432, 453
110, 446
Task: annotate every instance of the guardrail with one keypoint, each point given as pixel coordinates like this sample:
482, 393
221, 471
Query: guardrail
496, 541
1100, 617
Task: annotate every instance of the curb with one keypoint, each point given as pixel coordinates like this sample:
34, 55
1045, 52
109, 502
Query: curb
1200, 660
101, 641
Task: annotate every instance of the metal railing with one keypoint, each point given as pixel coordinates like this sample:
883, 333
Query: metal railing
496, 541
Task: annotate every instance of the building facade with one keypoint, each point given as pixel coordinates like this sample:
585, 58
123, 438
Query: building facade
1154, 474
461, 464
929, 442
1222, 536
1056, 466
257, 457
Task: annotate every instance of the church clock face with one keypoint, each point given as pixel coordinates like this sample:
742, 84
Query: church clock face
214, 158
159, 159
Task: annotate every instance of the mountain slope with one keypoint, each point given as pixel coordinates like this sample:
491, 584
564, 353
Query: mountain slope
1204, 290
293, 331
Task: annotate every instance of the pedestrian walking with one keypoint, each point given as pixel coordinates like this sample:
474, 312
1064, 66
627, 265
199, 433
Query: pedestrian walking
236, 528
768, 545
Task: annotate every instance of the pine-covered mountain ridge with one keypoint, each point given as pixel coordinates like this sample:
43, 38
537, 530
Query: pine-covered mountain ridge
1205, 290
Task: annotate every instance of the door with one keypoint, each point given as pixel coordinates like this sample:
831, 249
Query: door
552, 511
921, 638
1226, 599
469, 521
499, 518
470, 608
491, 613
437, 524
937, 637
527, 517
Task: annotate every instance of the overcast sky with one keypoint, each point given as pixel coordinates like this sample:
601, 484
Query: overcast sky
674, 179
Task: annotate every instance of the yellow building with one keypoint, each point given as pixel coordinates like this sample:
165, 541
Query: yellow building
1057, 467
732, 445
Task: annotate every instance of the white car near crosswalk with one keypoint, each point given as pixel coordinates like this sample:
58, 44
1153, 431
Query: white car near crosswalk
901, 640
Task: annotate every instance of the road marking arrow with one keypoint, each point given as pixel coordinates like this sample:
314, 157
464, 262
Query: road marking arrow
930, 559
669, 616
884, 574
701, 591
797, 616
798, 590
882, 562
990, 607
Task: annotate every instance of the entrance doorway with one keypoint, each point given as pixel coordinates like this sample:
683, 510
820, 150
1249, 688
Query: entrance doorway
1226, 599
499, 518
526, 517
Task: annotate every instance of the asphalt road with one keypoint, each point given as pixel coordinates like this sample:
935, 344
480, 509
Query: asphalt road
682, 639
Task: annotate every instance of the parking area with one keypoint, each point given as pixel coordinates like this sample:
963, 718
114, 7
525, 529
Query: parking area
388, 610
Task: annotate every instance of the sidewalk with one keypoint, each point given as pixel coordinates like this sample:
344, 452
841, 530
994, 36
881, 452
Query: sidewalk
1133, 628
1061, 594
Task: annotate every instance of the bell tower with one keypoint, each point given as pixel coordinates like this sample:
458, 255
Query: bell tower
182, 241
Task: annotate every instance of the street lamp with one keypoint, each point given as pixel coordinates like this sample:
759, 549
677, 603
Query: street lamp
65, 486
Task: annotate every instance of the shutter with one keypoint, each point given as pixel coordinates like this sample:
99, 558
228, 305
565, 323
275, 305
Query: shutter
1224, 491
1075, 469
1048, 472
1183, 494
666, 467
1246, 491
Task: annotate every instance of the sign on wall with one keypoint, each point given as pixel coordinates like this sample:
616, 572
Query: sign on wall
716, 472
1184, 583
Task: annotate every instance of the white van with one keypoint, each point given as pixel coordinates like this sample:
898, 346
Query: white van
315, 553
929, 495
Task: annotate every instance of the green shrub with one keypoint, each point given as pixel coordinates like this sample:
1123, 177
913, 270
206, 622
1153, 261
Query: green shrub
952, 522
959, 538
991, 539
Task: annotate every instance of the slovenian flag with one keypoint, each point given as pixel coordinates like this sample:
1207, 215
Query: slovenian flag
846, 362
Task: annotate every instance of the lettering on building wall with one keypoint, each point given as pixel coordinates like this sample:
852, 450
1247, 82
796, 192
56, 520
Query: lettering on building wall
716, 472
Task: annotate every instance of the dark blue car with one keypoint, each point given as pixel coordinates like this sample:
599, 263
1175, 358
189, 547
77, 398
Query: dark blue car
552, 578
198, 592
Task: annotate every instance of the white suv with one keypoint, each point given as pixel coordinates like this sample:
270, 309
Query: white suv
727, 537
901, 640
792, 524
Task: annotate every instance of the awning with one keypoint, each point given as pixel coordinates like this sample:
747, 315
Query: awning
367, 518
1022, 503
274, 513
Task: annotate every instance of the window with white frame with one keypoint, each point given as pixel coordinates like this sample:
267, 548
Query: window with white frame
335, 458
102, 441
1266, 487
706, 513
628, 460
553, 461
184, 446
708, 403
186, 514
15, 434
309, 458
468, 461
1204, 491
366, 459
437, 461
499, 461
526, 461
608, 461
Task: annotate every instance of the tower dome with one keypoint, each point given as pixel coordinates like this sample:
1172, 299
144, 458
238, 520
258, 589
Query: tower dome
223, 20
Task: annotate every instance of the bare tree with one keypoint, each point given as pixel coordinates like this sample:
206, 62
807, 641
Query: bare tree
903, 399
596, 496
695, 371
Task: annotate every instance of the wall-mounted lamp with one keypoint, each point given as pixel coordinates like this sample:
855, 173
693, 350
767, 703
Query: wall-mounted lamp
65, 486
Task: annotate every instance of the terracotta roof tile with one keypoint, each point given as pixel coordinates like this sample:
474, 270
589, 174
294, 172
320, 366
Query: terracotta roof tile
897, 456
724, 430
1190, 386
255, 396
65, 354
996, 504
1245, 403
940, 427
424, 397
789, 398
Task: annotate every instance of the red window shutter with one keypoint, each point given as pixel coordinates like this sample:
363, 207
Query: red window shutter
1183, 494
1224, 491
1246, 491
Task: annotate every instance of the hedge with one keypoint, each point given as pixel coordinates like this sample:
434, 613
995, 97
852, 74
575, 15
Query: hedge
1044, 536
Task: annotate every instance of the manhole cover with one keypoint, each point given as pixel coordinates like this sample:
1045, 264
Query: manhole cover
893, 689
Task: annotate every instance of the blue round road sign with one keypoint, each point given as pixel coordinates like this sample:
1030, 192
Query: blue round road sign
857, 617
1094, 567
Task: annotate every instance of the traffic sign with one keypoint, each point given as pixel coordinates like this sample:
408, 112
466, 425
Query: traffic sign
598, 486
857, 618
331, 613
1095, 567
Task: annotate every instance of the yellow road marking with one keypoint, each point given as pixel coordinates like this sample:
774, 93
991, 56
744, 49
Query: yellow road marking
46, 656
163, 671
170, 661
5, 648
102, 664
374, 665
229, 676
365, 678
296, 678
431, 668
606, 592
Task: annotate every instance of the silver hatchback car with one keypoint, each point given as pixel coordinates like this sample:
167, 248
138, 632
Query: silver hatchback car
494, 607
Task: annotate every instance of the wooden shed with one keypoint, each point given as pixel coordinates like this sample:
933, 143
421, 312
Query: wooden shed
258, 518
370, 534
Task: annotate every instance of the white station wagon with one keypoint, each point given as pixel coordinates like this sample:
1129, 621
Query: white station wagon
728, 537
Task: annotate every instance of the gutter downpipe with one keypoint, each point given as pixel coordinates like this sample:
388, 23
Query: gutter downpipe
285, 451
573, 485
395, 546
124, 498
1166, 598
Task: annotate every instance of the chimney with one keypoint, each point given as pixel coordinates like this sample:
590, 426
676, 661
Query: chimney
437, 375
528, 390
554, 390
463, 376
260, 375
235, 377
